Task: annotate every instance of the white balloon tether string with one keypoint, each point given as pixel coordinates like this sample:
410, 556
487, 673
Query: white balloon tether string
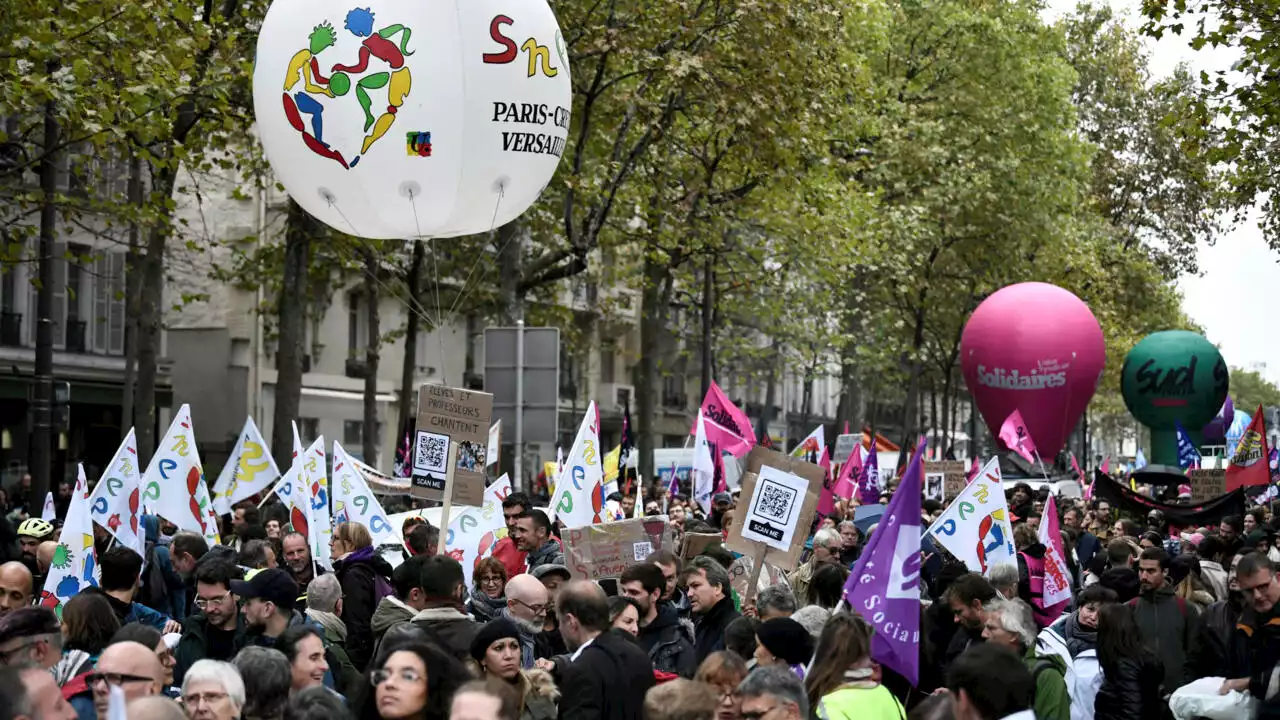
438, 323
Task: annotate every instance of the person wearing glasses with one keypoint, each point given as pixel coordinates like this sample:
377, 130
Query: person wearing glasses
217, 630
412, 679
213, 690
772, 693
723, 671
132, 667
1256, 645
151, 637
31, 636
488, 597
527, 600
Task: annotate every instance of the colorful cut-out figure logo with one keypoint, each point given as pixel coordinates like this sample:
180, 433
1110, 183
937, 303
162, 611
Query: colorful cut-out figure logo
305, 68
990, 536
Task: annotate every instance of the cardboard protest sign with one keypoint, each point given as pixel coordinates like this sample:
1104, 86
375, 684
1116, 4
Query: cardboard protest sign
780, 500
599, 551
953, 477
695, 543
451, 416
1207, 484
740, 576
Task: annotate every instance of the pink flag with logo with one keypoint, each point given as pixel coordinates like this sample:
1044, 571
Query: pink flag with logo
846, 484
1076, 466
1057, 579
1015, 436
726, 426
973, 471
1106, 466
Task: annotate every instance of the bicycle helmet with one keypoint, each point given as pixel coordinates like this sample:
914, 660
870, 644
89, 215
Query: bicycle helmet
36, 528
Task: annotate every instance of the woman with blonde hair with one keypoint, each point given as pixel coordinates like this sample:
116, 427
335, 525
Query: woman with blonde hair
361, 572
496, 650
844, 683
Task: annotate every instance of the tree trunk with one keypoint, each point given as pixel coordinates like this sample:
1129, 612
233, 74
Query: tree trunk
652, 317
933, 418
413, 283
708, 315
770, 394
370, 436
131, 287
292, 328
151, 316
41, 452
806, 403
948, 411
909, 419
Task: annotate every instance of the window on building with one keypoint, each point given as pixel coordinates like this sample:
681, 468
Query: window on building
9, 290
59, 311
352, 433
568, 374
607, 352
309, 429
108, 316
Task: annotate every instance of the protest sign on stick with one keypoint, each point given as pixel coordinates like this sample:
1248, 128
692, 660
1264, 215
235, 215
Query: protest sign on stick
780, 500
450, 418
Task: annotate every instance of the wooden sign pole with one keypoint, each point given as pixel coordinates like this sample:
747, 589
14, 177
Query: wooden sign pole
448, 494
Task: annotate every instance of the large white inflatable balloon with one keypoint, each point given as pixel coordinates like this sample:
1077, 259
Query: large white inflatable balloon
408, 118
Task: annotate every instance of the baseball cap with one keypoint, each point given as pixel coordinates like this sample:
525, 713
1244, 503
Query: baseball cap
543, 570
273, 585
28, 621
722, 497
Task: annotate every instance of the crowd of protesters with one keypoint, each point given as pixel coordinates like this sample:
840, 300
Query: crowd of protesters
256, 629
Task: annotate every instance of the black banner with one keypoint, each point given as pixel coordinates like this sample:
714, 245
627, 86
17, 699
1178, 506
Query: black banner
1201, 513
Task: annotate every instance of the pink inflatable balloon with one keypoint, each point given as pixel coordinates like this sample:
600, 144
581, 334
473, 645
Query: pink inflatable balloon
1035, 348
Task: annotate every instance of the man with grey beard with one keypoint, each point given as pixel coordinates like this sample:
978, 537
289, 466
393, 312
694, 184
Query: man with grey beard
527, 600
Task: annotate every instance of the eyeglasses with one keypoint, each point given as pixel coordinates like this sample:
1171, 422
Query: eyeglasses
209, 698
377, 677
535, 609
491, 580
112, 678
204, 603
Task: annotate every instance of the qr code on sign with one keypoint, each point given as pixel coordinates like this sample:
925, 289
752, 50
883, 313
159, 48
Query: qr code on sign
431, 453
775, 501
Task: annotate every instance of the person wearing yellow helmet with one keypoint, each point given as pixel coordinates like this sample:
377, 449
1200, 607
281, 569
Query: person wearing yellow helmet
31, 533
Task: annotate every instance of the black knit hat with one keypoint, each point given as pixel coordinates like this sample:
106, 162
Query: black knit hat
786, 640
492, 632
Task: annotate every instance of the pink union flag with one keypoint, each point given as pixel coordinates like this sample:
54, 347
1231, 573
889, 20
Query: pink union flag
727, 427
1015, 436
1057, 580
847, 483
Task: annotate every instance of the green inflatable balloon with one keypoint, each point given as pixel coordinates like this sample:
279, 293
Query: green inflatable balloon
1173, 377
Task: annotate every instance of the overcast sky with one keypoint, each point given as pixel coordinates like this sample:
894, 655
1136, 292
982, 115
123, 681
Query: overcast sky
1237, 275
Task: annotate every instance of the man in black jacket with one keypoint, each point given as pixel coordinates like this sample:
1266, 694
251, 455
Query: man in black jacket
443, 616
711, 602
1170, 626
661, 635
607, 676
1256, 642
217, 631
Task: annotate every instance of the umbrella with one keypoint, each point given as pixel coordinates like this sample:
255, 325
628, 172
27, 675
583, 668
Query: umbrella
864, 516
